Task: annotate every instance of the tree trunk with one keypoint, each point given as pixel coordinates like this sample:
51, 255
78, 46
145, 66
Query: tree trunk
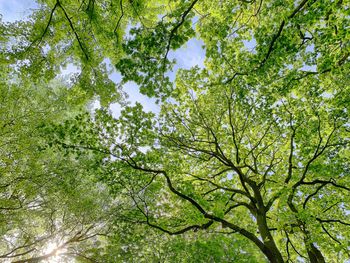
314, 253
272, 252
273, 256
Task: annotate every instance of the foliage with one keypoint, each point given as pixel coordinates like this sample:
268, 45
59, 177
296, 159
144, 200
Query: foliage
47, 200
85, 35
141, 245
248, 159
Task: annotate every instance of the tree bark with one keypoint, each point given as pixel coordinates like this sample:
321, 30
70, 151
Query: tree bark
314, 253
273, 253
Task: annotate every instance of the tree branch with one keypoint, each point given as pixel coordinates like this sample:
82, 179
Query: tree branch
173, 31
120, 18
73, 29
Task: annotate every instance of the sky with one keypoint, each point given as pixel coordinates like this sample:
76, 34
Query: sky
190, 55
12, 10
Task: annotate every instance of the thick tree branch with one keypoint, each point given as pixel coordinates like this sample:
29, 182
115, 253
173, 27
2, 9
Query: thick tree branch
238, 204
225, 223
233, 190
184, 230
332, 221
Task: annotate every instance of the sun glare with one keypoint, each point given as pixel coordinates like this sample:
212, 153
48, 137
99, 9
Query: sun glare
53, 247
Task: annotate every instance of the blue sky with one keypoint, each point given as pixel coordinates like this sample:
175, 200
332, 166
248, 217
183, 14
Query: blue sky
190, 55
12, 10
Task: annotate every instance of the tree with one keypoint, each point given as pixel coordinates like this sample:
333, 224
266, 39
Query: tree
241, 164
255, 144
87, 35
46, 206
253, 148
50, 203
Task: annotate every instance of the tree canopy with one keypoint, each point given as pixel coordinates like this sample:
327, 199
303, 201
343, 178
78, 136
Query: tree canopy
246, 161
